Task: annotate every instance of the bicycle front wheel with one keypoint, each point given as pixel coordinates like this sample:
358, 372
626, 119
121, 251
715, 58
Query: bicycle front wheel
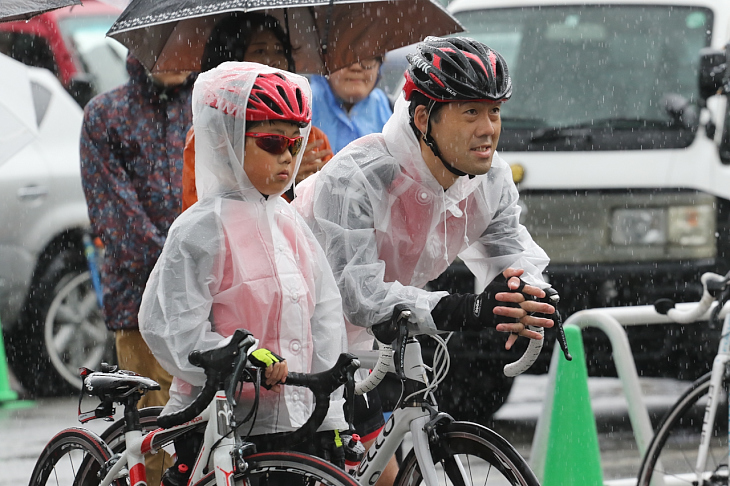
672, 453
468, 453
73, 457
287, 468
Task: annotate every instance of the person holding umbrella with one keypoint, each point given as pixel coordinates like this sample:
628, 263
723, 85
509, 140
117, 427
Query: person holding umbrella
393, 210
252, 37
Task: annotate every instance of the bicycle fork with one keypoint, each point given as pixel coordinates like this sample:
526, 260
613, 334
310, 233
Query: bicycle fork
719, 367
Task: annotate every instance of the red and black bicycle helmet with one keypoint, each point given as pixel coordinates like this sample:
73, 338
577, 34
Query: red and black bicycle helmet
457, 69
273, 97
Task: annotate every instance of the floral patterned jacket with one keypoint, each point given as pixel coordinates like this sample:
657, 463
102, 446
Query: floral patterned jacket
132, 143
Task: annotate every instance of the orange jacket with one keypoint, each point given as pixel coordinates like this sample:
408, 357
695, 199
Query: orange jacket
189, 193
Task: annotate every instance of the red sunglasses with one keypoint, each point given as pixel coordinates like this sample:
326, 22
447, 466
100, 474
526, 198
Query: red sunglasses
277, 144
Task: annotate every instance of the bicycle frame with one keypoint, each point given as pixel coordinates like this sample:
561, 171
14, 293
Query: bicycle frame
719, 367
415, 415
215, 430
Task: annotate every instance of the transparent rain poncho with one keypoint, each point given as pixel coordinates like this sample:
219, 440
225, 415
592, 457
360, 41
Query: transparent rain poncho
388, 227
237, 259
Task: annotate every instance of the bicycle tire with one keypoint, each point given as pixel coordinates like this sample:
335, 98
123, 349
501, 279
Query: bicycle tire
486, 457
290, 468
74, 456
675, 445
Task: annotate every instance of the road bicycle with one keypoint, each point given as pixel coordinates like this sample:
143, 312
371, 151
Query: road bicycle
80, 457
445, 451
690, 446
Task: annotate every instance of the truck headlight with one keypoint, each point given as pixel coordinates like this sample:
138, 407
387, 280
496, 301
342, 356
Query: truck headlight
645, 226
691, 225
675, 225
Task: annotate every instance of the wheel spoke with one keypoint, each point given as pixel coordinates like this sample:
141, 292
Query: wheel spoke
674, 449
66, 313
74, 456
94, 331
470, 455
454, 469
63, 337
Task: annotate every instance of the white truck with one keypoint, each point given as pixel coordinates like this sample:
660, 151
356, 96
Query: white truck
621, 151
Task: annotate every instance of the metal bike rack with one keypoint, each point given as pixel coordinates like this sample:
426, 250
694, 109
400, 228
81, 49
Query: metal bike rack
612, 320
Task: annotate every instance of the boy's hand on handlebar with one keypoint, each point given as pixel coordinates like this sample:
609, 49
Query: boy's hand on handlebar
276, 369
276, 374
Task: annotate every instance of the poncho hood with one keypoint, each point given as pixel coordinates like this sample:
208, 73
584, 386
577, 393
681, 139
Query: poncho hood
220, 131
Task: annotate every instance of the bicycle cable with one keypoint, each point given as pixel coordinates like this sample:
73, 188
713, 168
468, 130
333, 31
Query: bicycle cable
256, 380
439, 368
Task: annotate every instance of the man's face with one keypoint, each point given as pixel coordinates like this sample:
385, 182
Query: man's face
354, 83
467, 134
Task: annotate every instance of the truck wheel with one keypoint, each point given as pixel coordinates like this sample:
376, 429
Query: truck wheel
63, 330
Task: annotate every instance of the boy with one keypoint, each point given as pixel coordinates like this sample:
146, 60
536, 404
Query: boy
240, 257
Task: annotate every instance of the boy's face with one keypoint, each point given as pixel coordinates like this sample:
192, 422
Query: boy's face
269, 173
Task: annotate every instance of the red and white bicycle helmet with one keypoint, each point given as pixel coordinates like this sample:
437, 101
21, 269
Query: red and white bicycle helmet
457, 69
273, 97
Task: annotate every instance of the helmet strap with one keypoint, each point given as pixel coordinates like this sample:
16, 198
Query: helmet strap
429, 140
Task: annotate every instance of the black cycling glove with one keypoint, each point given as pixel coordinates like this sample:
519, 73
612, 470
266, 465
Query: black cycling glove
552, 298
471, 312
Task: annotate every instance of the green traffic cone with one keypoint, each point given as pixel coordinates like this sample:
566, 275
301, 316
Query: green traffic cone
6, 393
572, 455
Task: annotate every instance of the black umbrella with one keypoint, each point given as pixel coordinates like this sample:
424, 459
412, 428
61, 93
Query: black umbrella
11, 10
327, 35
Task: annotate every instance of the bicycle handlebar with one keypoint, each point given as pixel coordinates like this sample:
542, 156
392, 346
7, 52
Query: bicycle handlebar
322, 384
529, 357
224, 363
395, 331
214, 362
534, 347
712, 284
381, 368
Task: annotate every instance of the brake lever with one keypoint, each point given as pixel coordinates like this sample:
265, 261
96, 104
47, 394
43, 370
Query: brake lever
553, 298
231, 382
401, 341
400, 352
561, 335
350, 397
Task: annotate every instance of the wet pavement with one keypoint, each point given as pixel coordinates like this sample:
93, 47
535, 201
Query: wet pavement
25, 431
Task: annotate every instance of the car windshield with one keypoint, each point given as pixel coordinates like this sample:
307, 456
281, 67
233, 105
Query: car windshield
572, 65
104, 59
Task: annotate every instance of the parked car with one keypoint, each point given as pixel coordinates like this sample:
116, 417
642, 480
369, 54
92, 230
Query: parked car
49, 310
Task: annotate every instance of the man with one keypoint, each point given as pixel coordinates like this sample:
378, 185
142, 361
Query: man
393, 210
132, 142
